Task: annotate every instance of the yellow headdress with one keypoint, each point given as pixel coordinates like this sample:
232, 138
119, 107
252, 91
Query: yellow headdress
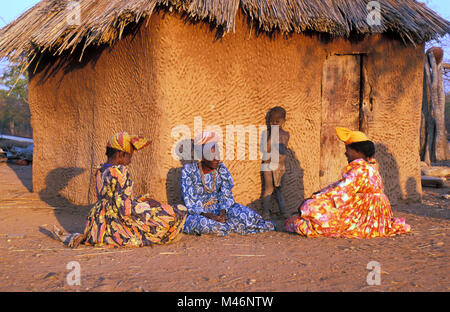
348, 136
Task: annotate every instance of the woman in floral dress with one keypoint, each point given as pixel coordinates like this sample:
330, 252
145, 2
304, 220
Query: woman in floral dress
354, 206
119, 218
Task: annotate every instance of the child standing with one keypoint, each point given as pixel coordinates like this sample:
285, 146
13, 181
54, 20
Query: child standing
276, 116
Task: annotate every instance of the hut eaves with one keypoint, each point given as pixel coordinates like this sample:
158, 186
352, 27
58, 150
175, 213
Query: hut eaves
45, 27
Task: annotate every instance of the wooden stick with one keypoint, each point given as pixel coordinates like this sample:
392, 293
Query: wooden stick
432, 181
103, 253
248, 255
21, 207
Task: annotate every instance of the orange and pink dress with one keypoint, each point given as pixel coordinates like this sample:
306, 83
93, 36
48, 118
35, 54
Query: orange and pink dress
353, 207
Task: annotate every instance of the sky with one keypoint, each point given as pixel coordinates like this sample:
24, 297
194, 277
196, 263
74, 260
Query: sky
11, 9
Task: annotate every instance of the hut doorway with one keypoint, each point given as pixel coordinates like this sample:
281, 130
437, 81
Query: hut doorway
341, 98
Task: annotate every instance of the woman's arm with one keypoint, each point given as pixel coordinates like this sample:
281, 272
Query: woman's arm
192, 203
122, 189
147, 199
225, 194
345, 186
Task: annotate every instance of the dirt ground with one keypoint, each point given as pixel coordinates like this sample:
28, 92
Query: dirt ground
30, 260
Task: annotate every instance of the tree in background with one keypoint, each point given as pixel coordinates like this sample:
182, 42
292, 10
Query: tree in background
14, 110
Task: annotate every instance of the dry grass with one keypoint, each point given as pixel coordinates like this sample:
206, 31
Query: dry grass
44, 27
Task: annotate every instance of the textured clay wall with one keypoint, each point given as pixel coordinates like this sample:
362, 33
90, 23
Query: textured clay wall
171, 72
75, 111
393, 92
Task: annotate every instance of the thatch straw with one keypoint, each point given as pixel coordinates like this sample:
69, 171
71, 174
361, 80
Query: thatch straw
44, 28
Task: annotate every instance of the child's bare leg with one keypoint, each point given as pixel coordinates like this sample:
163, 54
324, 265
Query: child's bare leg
267, 195
280, 201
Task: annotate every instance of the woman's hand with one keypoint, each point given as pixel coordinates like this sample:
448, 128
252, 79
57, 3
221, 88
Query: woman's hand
150, 201
219, 218
222, 216
153, 203
300, 207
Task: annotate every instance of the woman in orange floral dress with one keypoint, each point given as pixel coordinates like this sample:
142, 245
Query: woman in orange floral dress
354, 206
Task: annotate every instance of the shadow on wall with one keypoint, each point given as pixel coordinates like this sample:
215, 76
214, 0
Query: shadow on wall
390, 174
48, 65
173, 178
411, 203
70, 216
412, 192
292, 188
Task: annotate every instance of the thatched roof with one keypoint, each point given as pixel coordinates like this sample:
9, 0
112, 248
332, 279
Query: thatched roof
44, 27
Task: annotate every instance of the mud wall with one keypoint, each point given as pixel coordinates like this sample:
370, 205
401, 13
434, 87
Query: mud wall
171, 71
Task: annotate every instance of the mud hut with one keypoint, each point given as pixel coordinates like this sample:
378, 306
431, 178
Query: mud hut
149, 67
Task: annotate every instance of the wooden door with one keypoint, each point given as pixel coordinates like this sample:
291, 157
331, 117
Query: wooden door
341, 86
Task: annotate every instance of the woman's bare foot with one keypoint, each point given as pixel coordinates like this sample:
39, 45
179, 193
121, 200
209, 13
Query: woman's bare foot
59, 234
72, 240
76, 241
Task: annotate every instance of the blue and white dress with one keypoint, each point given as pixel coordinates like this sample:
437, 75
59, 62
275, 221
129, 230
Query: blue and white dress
240, 219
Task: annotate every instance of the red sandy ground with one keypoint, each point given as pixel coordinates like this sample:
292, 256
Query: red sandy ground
30, 260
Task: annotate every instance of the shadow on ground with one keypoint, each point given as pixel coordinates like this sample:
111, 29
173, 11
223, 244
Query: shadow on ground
70, 216
24, 173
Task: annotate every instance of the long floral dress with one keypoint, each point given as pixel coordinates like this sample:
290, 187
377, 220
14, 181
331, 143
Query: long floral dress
121, 219
354, 206
240, 219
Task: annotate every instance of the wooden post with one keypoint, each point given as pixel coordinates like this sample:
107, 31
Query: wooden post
435, 56
434, 145
427, 111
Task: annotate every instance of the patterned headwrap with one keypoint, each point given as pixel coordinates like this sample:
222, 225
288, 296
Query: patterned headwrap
206, 137
123, 141
348, 136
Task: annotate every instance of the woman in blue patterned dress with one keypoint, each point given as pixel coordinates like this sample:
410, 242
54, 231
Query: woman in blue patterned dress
206, 189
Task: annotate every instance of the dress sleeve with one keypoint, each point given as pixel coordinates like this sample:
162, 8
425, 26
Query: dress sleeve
142, 198
122, 189
191, 201
345, 188
225, 194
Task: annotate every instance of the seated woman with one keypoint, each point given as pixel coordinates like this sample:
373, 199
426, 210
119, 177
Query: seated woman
354, 206
119, 218
206, 189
